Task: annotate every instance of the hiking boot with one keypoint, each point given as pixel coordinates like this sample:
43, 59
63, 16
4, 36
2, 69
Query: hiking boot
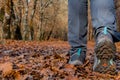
77, 56
105, 51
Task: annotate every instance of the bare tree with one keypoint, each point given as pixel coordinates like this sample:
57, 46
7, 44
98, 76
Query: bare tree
117, 6
26, 29
7, 19
32, 19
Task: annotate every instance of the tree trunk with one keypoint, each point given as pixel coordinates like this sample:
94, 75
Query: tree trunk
39, 31
117, 6
7, 19
31, 19
13, 21
26, 29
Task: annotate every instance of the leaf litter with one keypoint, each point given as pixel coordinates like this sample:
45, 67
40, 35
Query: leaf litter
34, 60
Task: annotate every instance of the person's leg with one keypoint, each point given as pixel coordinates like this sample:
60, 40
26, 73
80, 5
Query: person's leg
104, 15
77, 25
104, 25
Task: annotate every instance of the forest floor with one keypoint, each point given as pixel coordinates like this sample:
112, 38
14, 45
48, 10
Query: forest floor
47, 60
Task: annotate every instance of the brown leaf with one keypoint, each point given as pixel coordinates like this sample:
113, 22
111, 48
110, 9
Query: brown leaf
17, 76
69, 66
72, 78
6, 68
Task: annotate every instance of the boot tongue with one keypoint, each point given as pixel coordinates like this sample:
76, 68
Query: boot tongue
104, 34
79, 51
105, 31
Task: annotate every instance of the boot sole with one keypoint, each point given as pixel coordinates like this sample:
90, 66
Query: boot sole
105, 53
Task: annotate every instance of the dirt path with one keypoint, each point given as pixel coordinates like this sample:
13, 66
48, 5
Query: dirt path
21, 60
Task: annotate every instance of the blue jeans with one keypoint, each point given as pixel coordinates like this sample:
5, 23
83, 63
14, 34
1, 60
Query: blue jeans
103, 14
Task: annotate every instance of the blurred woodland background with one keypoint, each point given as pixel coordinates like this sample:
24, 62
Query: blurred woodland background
38, 19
